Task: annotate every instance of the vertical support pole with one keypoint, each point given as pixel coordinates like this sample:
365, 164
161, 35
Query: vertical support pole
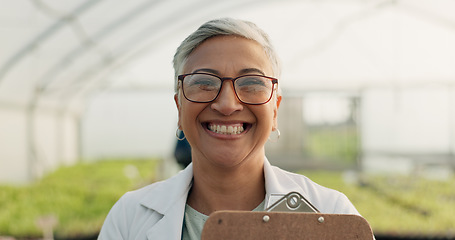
30, 135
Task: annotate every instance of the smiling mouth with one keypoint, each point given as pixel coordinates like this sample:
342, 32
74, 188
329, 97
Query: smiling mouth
227, 129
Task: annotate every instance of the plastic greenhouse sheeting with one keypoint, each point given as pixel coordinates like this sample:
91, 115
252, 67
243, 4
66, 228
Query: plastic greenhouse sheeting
58, 56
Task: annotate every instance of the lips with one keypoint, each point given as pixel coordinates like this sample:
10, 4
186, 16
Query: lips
227, 129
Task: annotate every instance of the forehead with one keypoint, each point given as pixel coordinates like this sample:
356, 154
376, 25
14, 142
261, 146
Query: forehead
228, 55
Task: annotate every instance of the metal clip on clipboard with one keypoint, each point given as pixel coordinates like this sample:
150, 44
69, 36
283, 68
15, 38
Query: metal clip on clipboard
292, 202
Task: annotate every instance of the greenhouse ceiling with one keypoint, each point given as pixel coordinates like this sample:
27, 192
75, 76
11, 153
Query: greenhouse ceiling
61, 51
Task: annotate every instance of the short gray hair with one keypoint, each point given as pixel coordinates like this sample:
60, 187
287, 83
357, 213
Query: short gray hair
219, 27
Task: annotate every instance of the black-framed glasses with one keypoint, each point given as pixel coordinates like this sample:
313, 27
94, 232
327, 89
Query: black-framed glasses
249, 89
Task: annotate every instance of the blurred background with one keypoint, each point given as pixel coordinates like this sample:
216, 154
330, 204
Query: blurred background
87, 110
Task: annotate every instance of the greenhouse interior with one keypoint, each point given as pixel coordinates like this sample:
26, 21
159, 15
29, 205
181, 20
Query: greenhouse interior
87, 91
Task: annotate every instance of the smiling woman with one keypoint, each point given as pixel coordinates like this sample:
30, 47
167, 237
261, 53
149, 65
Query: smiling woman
227, 98
226, 110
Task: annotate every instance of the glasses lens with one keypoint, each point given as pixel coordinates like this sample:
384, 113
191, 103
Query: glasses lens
254, 89
201, 87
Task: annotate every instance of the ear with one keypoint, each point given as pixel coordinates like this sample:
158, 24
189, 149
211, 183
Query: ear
275, 113
176, 100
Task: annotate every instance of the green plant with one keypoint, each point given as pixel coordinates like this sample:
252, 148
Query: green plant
79, 196
398, 204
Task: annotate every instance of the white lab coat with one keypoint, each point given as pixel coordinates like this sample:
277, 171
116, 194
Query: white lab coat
156, 211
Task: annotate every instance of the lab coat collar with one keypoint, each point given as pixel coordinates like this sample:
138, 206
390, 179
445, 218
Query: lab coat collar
174, 191
169, 199
278, 183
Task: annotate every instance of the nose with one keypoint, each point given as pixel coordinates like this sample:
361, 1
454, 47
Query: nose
227, 102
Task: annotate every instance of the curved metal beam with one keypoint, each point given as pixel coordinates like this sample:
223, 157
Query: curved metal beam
32, 158
68, 59
41, 37
141, 37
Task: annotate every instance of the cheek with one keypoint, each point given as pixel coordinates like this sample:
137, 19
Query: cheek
265, 115
189, 113
185, 116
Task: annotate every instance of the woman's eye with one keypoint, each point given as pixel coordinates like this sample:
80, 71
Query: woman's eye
204, 84
252, 82
252, 85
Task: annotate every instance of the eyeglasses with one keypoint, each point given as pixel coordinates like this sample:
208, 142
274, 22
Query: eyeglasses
249, 89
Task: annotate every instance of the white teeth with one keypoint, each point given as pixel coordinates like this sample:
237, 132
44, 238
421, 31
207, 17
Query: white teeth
223, 129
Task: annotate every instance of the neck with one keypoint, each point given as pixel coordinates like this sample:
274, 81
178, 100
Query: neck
238, 188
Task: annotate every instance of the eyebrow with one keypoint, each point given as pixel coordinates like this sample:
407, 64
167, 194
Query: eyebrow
241, 72
251, 70
209, 70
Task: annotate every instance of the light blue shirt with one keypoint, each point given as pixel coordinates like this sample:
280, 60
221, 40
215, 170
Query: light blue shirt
194, 222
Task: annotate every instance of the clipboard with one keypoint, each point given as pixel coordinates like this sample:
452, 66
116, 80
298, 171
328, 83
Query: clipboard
230, 225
